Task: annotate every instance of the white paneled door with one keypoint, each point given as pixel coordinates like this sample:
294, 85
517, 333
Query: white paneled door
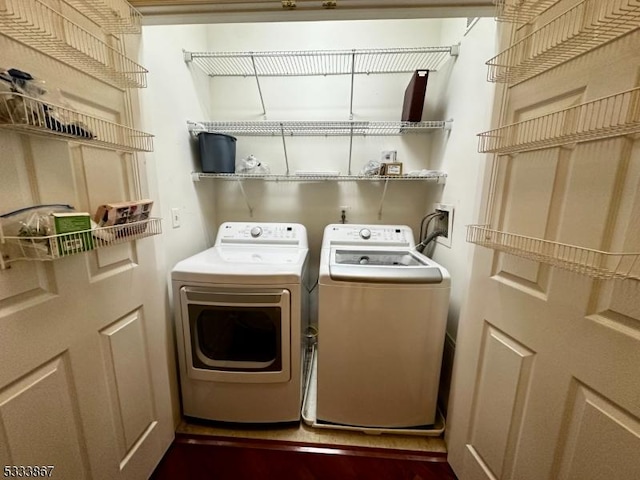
84, 386
547, 370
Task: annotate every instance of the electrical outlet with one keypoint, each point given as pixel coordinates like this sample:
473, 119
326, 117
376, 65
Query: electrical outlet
175, 217
445, 224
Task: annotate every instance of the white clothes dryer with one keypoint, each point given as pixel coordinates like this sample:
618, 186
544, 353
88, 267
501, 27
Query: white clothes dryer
241, 308
382, 313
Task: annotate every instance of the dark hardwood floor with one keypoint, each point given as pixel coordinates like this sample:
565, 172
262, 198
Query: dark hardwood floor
196, 457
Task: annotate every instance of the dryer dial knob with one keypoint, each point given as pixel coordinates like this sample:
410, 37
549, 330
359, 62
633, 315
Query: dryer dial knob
365, 233
256, 232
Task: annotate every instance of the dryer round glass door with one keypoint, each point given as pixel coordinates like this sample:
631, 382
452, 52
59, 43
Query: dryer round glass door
236, 335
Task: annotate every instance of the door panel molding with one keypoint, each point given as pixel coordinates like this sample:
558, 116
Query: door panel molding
124, 353
40, 420
504, 377
593, 421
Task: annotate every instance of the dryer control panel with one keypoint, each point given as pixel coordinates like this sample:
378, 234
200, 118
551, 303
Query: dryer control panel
253, 233
374, 235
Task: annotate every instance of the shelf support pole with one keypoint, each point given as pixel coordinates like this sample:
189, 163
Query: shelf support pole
284, 146
384, 195
353, 72
246, 199
255, 73
350, 149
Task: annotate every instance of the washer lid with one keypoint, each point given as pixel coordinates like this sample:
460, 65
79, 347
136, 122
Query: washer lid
246, 264
383, 266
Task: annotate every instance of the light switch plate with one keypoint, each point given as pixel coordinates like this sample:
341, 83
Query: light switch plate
175, 217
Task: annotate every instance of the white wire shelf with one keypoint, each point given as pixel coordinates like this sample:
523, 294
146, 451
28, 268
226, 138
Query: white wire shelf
29, 115
593, 263
321, 62
521, 11
114, 16
610, 116
586, 26
52, 247
317, 128
39, 26
438, 177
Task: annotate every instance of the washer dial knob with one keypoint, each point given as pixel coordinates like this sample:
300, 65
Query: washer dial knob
365, 234
256, 232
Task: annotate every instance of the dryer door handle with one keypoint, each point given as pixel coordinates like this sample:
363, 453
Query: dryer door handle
203, 296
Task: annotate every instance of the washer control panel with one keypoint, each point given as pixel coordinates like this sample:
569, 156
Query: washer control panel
286, 234
382, 235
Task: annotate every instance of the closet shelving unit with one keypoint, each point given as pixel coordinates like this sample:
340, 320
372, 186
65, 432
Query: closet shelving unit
435, 176
610, 116
587, 25
593, 263
52, 247
29, 115
584, 27
114, 16
320, 63
39, 26
317, 128
438, 177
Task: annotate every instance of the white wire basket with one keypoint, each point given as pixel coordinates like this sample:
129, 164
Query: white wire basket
521, 11
52, 247
114, 16
25, 114
610, 116
586, 26
39, 26
585, 261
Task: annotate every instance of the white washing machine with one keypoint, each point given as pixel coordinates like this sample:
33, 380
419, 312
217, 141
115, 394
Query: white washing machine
381, 320
240, 309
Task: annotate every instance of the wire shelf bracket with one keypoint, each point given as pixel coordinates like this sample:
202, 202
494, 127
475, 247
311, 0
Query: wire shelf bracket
592, 263
39, 26
35, 117
52, 247
585, 27
611, 116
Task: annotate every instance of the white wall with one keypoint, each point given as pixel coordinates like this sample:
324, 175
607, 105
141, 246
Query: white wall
467, 98
176, 92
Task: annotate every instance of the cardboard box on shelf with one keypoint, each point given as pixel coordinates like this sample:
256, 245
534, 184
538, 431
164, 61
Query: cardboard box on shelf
122, 214
74, 233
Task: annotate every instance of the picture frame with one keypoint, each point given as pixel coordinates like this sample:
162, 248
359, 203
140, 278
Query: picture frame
393, 169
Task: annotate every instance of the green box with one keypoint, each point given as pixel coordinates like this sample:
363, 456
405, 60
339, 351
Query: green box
66, 224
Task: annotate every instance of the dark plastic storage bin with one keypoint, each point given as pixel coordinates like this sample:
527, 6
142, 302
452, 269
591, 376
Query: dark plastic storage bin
217, 152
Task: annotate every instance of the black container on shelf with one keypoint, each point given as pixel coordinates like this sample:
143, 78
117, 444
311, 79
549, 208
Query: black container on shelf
217, 152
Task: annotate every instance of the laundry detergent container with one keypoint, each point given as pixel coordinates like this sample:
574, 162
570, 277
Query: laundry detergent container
217, 152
